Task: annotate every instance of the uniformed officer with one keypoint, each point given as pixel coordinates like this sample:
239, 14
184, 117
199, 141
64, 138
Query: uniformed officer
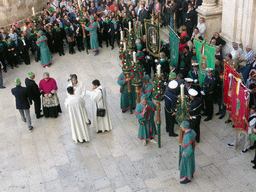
207, 94
195, 112
188, 85
193, 74
170, 105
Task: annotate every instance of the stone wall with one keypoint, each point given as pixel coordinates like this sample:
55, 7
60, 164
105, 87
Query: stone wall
16, 10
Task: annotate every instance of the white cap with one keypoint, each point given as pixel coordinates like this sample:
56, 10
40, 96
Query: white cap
195, 64
188, 80
208, 70
192, 92
173, 84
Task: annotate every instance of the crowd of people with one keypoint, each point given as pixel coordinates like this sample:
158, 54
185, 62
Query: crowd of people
104, 21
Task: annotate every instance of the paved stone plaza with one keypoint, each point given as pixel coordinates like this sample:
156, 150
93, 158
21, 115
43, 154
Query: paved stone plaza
49, 160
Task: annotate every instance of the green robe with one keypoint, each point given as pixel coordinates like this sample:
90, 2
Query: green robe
187, 160
92, 28
148, 130
147, 90
46, 58
124, 103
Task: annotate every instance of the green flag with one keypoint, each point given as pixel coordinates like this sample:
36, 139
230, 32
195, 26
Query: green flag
138, 30
174, 47
205, 54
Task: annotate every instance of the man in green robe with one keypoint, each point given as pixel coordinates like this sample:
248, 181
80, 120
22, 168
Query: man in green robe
46, 58
92, 28
186, 154
145, 112
147, 88
122, 81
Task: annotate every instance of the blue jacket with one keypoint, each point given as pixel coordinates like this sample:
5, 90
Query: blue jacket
170, 100
22, 98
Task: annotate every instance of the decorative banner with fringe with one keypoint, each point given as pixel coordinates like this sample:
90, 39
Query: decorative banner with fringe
229, 73
153, 38
240, 104
174, 47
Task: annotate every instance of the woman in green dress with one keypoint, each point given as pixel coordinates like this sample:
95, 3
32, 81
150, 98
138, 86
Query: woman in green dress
46, 58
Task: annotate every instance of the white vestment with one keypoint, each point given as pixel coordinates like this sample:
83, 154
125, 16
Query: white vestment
77, 113
80, 89
100, 123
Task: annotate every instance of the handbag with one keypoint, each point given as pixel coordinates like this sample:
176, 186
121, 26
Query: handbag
70, 39
101, 112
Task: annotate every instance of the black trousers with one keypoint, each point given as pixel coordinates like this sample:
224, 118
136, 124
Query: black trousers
106, 38
58, 46
195, 125
25, 56
208, 104
2, 59
37, 105
37, 54
12, 60
113, 38
100, 38
170, 121
71, 47
79, 41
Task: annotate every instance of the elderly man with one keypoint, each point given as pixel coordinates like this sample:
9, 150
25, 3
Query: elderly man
235, 51
245, 61
92, 28
170, 105
145, 112
48, 89
23, 102
34, 93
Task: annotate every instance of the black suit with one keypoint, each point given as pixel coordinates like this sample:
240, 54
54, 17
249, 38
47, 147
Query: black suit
22, 97
34, 94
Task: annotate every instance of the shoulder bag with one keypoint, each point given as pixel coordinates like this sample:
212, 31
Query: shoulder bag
101, 112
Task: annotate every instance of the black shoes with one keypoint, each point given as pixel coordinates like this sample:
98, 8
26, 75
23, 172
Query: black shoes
207, 119
185, 181
89, 123
227, 121
221, 117
39, 116
30, 129
3, 87
173, 135
112, 48
218, 113
252, 147
204, 114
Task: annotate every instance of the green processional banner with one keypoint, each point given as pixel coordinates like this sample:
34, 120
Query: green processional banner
174, 47
153, 39
205, 54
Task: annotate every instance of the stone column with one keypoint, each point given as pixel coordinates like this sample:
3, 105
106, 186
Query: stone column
211, 11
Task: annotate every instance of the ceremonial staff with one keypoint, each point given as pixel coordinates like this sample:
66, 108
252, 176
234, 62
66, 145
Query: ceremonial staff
158, 97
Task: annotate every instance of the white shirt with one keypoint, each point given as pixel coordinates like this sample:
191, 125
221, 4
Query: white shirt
202, 28
235, 53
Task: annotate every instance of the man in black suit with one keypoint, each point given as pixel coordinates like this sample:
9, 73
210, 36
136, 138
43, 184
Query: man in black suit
34, 93
115, 28
23, 102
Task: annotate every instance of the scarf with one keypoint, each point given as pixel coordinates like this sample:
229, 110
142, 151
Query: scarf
8, 43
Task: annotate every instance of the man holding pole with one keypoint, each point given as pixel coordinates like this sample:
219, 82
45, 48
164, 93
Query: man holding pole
170, 105
92, 28
145, 112
147, 88
195, 112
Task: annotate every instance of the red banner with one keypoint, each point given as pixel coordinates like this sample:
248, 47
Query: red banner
240, 104
229, 72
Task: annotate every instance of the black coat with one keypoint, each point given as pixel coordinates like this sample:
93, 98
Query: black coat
32, 89
22, 97
21, 46
113, 30
143, 14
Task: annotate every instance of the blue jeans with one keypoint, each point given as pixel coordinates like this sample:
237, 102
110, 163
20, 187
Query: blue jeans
245, 71
172, 22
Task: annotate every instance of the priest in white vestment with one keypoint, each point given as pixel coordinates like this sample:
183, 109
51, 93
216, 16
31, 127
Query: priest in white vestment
99, 98
77, 113
79, 89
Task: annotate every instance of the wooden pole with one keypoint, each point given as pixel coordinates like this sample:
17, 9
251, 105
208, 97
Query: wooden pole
158, 121
138, 93
127, 74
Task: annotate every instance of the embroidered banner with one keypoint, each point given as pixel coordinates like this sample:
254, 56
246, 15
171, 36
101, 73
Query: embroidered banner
240, 104
153, 39
229, 73
205, 54
174, 47
138, 30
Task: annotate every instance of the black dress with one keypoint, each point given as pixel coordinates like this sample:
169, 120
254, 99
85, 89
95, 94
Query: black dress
58, 35
11, 55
